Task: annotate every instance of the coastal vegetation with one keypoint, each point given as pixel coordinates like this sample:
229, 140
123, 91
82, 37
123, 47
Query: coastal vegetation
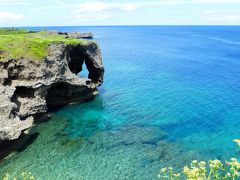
213, 169
17, 43
22, 176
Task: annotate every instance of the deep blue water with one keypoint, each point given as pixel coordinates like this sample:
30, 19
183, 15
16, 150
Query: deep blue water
171, 94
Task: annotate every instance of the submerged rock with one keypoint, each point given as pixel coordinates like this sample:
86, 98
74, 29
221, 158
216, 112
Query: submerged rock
29, 88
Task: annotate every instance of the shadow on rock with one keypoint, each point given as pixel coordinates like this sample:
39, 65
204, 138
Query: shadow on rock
19, 145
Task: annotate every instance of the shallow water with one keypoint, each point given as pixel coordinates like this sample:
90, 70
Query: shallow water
171, 95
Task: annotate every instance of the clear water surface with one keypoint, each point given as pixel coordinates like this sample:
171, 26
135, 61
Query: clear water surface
171, 94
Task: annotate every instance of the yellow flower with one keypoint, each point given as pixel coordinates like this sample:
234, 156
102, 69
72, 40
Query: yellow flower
194, 161
237, 141
228, 175
177, 175
215, 164
185, 170
202, 164
233, 159
163, 170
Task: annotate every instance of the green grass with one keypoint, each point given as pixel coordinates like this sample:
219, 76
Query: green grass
15, 44
8, 31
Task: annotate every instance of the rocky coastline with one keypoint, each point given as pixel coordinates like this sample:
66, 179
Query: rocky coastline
29, 89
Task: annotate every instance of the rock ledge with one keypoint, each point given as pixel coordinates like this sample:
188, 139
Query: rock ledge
30, 88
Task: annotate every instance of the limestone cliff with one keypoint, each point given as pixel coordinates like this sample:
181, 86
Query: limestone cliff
29, 88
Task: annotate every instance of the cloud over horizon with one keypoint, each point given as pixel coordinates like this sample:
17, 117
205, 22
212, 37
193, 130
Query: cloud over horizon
125, 12
9, 17
218, 16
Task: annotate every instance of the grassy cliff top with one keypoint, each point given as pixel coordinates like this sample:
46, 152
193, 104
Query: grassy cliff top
16, 43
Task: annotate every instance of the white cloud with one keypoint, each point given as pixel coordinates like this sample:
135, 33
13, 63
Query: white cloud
92, 7
13, 2
222, 16
100, 6
98, 10
7, 16
129, 7
89, 17
92, 11
216, 1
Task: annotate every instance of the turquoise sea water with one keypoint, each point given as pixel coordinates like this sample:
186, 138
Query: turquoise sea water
171, 94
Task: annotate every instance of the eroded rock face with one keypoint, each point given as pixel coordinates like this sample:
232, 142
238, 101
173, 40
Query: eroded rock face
76, 35
29, 88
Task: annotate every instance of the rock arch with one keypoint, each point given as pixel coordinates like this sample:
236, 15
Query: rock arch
91, 56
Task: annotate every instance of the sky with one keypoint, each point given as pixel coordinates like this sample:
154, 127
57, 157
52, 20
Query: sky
118, 12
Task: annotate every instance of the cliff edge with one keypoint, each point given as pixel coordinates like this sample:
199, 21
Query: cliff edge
40, 71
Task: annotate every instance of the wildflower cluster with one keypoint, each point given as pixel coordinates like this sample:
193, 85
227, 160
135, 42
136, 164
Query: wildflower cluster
196, 170
212, 170
24, 176
234, 168
168, 173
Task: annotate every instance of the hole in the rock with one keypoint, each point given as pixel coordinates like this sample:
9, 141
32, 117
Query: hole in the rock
80, 61
76, 61
84, 73
24, 92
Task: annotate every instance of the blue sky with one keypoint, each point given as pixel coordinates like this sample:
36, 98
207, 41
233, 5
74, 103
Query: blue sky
121, 12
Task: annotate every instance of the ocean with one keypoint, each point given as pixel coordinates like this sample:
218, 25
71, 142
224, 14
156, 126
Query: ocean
171, 94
